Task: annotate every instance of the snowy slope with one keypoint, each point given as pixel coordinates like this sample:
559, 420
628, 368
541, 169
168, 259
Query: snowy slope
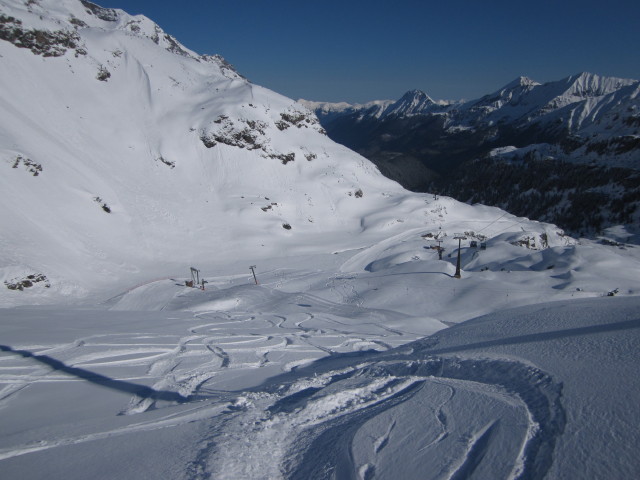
128, 158
192, 161
230, 390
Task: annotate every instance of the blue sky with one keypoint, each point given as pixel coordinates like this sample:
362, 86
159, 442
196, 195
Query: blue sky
357, 50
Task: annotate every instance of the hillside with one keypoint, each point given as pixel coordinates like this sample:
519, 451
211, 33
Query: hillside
127, 156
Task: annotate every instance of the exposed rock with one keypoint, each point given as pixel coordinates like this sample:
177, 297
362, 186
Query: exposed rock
104, 206
166, 162
31, 166
27, 282
103, 74
40, 42
106, 14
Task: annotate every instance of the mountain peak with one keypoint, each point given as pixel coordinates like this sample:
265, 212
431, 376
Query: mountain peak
414, 102
522, 81
51, 27
415, 92
416, 96
586, 85
512, 94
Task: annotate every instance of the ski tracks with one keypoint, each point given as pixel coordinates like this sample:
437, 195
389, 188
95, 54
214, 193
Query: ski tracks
306, 429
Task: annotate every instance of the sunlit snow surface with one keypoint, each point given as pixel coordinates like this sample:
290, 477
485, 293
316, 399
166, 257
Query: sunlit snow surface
339, 364
306, 376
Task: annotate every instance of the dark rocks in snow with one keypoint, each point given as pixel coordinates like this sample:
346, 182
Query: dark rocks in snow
104, 206
103, 74
283, 157
174, 46
133, 25
76, 22
282, 125
298, 119
31, 166
286, 226
168, 163
27, 282
106, 14
269, 207
40, 42
208, 141
226, 68
526, 241
249, 134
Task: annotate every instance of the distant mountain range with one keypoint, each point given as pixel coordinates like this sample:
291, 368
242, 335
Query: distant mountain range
566, 151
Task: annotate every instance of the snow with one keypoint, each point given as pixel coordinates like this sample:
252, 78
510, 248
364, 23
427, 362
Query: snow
329, 110
357, 354
287, 384
323, 366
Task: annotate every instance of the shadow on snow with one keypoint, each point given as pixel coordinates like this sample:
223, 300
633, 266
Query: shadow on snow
142, 391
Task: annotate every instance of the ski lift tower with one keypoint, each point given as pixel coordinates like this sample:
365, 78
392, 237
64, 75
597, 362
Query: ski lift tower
253, 270
195, 276
459, 237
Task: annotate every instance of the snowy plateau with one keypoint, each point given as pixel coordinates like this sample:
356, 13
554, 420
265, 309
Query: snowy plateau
354, 353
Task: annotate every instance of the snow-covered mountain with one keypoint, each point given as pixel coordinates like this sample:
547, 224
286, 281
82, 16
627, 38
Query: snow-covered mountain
127, 158
124, 153
587, 108
326, 111
586, 120
567, 107
414, 102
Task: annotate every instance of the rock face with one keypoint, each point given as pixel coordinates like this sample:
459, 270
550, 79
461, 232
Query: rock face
567, 133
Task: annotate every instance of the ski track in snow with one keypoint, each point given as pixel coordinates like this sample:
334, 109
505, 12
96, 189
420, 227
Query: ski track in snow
305, 415
309, 424
216, 344
339, 400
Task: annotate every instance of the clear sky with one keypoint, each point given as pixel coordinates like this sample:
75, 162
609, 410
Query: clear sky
361, 50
